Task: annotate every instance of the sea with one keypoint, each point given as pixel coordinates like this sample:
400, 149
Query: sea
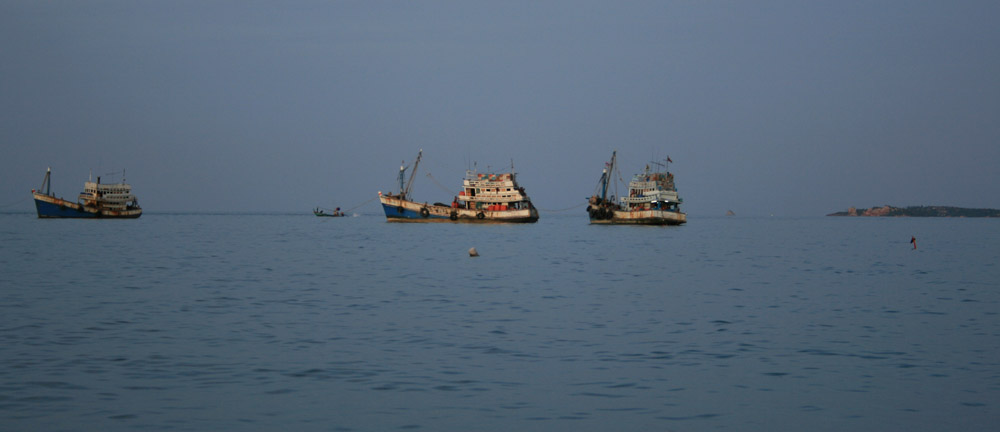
264, 322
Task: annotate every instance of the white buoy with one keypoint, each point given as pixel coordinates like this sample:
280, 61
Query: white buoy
473, 252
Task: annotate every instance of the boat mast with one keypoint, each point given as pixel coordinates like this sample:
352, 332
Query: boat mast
402, 174
409, 183
606, 176
47, 184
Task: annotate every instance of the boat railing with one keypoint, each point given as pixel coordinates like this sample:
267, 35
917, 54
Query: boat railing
650, 199
489, 197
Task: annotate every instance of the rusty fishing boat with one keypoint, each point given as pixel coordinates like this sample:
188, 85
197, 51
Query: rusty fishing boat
98, 200
484, 198
652, 198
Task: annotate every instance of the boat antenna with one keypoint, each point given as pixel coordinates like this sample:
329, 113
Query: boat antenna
664, 164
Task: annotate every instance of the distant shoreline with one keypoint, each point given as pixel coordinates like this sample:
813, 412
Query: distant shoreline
919, 211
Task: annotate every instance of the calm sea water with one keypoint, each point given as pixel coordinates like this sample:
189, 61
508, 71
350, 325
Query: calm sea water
292, 322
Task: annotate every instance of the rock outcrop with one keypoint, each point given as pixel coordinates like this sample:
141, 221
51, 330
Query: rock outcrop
920, 211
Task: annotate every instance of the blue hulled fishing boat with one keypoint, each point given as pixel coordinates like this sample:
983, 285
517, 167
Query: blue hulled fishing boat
484, 198
98, 200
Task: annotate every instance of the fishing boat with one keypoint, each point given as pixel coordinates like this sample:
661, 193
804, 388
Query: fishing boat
484, 198
652, 198
98, 200
321, 212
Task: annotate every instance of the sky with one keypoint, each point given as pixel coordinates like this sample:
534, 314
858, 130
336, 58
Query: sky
785, 108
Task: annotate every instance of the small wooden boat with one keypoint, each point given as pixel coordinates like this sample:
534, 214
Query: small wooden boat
328, 213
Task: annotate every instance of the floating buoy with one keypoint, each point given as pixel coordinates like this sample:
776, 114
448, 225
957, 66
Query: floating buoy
473, 252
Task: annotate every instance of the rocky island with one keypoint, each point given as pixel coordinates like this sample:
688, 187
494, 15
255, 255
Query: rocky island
919, 211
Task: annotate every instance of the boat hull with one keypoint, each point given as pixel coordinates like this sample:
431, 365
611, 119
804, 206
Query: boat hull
49, 207
642, 217
399, 210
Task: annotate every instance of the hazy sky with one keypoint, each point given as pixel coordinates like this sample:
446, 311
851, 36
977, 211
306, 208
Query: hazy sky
766, 107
